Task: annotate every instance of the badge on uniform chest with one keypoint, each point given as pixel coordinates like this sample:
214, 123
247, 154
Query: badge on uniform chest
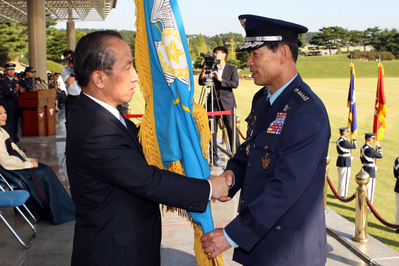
276, 126
266, 161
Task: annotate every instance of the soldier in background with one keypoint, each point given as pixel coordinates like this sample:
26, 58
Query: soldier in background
344, 161
10, 91
396, 174
26, 85
367, 156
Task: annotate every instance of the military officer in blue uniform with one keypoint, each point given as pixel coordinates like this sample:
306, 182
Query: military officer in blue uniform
344, 161
396, 174
367, 156
10, 90
280, 169
26, 84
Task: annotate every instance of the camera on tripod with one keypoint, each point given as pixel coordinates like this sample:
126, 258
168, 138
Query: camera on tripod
210, 60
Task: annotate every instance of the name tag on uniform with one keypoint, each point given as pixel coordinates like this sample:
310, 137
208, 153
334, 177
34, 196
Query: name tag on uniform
276, 126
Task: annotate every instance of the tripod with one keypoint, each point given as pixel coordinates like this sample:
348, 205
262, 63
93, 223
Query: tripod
209, 90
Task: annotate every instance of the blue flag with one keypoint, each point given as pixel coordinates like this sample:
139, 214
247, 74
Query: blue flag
352, 118
173, 89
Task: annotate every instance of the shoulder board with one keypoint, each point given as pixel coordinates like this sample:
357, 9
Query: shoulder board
301, 95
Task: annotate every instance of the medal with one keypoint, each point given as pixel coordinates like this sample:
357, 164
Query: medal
266, 161
276, 126
247, 149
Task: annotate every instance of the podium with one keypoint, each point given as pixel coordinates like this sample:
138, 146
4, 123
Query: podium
38, 112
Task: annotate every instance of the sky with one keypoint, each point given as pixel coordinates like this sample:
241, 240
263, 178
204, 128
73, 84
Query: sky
211, 17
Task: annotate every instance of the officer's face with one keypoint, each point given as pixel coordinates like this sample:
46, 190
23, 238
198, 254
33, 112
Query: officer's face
10, 72
3, 116
29, 74
265, 67
119, 86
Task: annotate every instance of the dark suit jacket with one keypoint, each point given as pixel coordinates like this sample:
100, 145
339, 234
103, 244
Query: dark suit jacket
280, 170
116, 192
396, 174
224, 89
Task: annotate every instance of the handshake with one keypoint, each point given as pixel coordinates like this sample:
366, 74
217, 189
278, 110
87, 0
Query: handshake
221, 186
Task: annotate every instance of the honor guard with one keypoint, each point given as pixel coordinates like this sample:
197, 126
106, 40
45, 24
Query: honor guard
367, 155
10, 91
396, 174
344, 161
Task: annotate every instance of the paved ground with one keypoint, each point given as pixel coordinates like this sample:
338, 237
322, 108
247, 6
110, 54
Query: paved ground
53, 244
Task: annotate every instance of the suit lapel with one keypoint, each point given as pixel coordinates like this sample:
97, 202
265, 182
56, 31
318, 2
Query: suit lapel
104, 112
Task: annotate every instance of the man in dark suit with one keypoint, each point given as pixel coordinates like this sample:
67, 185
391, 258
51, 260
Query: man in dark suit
10, 91
225, 79
281, 168
344, 160
115, 191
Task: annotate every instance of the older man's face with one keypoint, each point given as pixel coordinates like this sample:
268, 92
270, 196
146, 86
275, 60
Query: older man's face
119, 87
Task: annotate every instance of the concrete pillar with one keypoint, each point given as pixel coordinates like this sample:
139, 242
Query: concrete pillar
71, 38
37, 37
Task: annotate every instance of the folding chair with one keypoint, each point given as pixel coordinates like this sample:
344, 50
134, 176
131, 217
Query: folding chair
11, 187
14, 199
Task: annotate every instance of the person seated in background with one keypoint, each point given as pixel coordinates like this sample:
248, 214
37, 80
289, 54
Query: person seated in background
48, 195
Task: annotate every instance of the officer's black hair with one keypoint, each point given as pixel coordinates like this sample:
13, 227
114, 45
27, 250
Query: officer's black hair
92, 53
292, 45
67, 52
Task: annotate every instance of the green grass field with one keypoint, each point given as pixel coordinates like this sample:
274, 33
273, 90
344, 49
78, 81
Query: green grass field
334, 92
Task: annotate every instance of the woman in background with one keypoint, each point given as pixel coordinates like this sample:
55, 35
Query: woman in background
48, 195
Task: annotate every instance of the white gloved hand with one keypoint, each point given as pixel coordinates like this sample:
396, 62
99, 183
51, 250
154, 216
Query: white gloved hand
377, 144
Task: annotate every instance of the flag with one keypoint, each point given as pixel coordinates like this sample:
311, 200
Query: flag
380, 109
168, 131
352, 118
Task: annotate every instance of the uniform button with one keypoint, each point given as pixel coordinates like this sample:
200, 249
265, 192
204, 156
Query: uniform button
242, 202
254, 146
249, 165
278, 227
246, 183
266, 147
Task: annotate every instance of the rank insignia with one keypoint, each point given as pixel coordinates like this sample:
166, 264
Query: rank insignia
277, 125
266, 161
247, 149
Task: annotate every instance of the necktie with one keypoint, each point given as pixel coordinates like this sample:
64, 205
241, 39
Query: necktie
122, 119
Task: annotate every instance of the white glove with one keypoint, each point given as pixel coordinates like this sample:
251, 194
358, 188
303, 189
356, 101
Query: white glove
377, 144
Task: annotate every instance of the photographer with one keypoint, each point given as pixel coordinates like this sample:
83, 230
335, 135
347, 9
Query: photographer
68, 76
225, 78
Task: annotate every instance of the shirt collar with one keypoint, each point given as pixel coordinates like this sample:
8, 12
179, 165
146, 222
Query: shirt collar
273, 97
109, 108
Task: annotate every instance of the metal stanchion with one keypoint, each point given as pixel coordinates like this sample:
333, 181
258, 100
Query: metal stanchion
233, 145
325, 183
362, 179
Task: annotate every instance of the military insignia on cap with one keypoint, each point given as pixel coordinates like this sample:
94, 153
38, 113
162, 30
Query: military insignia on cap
266, 161
276, 126
248, 148
243, 21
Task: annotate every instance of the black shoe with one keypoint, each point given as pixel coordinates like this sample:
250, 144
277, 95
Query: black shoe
397, 231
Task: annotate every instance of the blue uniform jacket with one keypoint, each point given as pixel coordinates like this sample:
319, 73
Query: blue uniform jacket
9, 97
280, 170
396, 174
344, 156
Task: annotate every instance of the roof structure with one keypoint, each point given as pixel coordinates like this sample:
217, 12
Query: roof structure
81, 10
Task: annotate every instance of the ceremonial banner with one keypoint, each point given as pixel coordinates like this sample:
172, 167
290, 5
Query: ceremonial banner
380, 110
352, 118
168, 131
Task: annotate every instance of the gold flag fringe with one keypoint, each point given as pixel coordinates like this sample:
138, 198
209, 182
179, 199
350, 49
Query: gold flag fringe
147, 133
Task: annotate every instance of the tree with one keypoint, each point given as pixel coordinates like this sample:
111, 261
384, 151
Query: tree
14, 41
330, 37
56, 43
